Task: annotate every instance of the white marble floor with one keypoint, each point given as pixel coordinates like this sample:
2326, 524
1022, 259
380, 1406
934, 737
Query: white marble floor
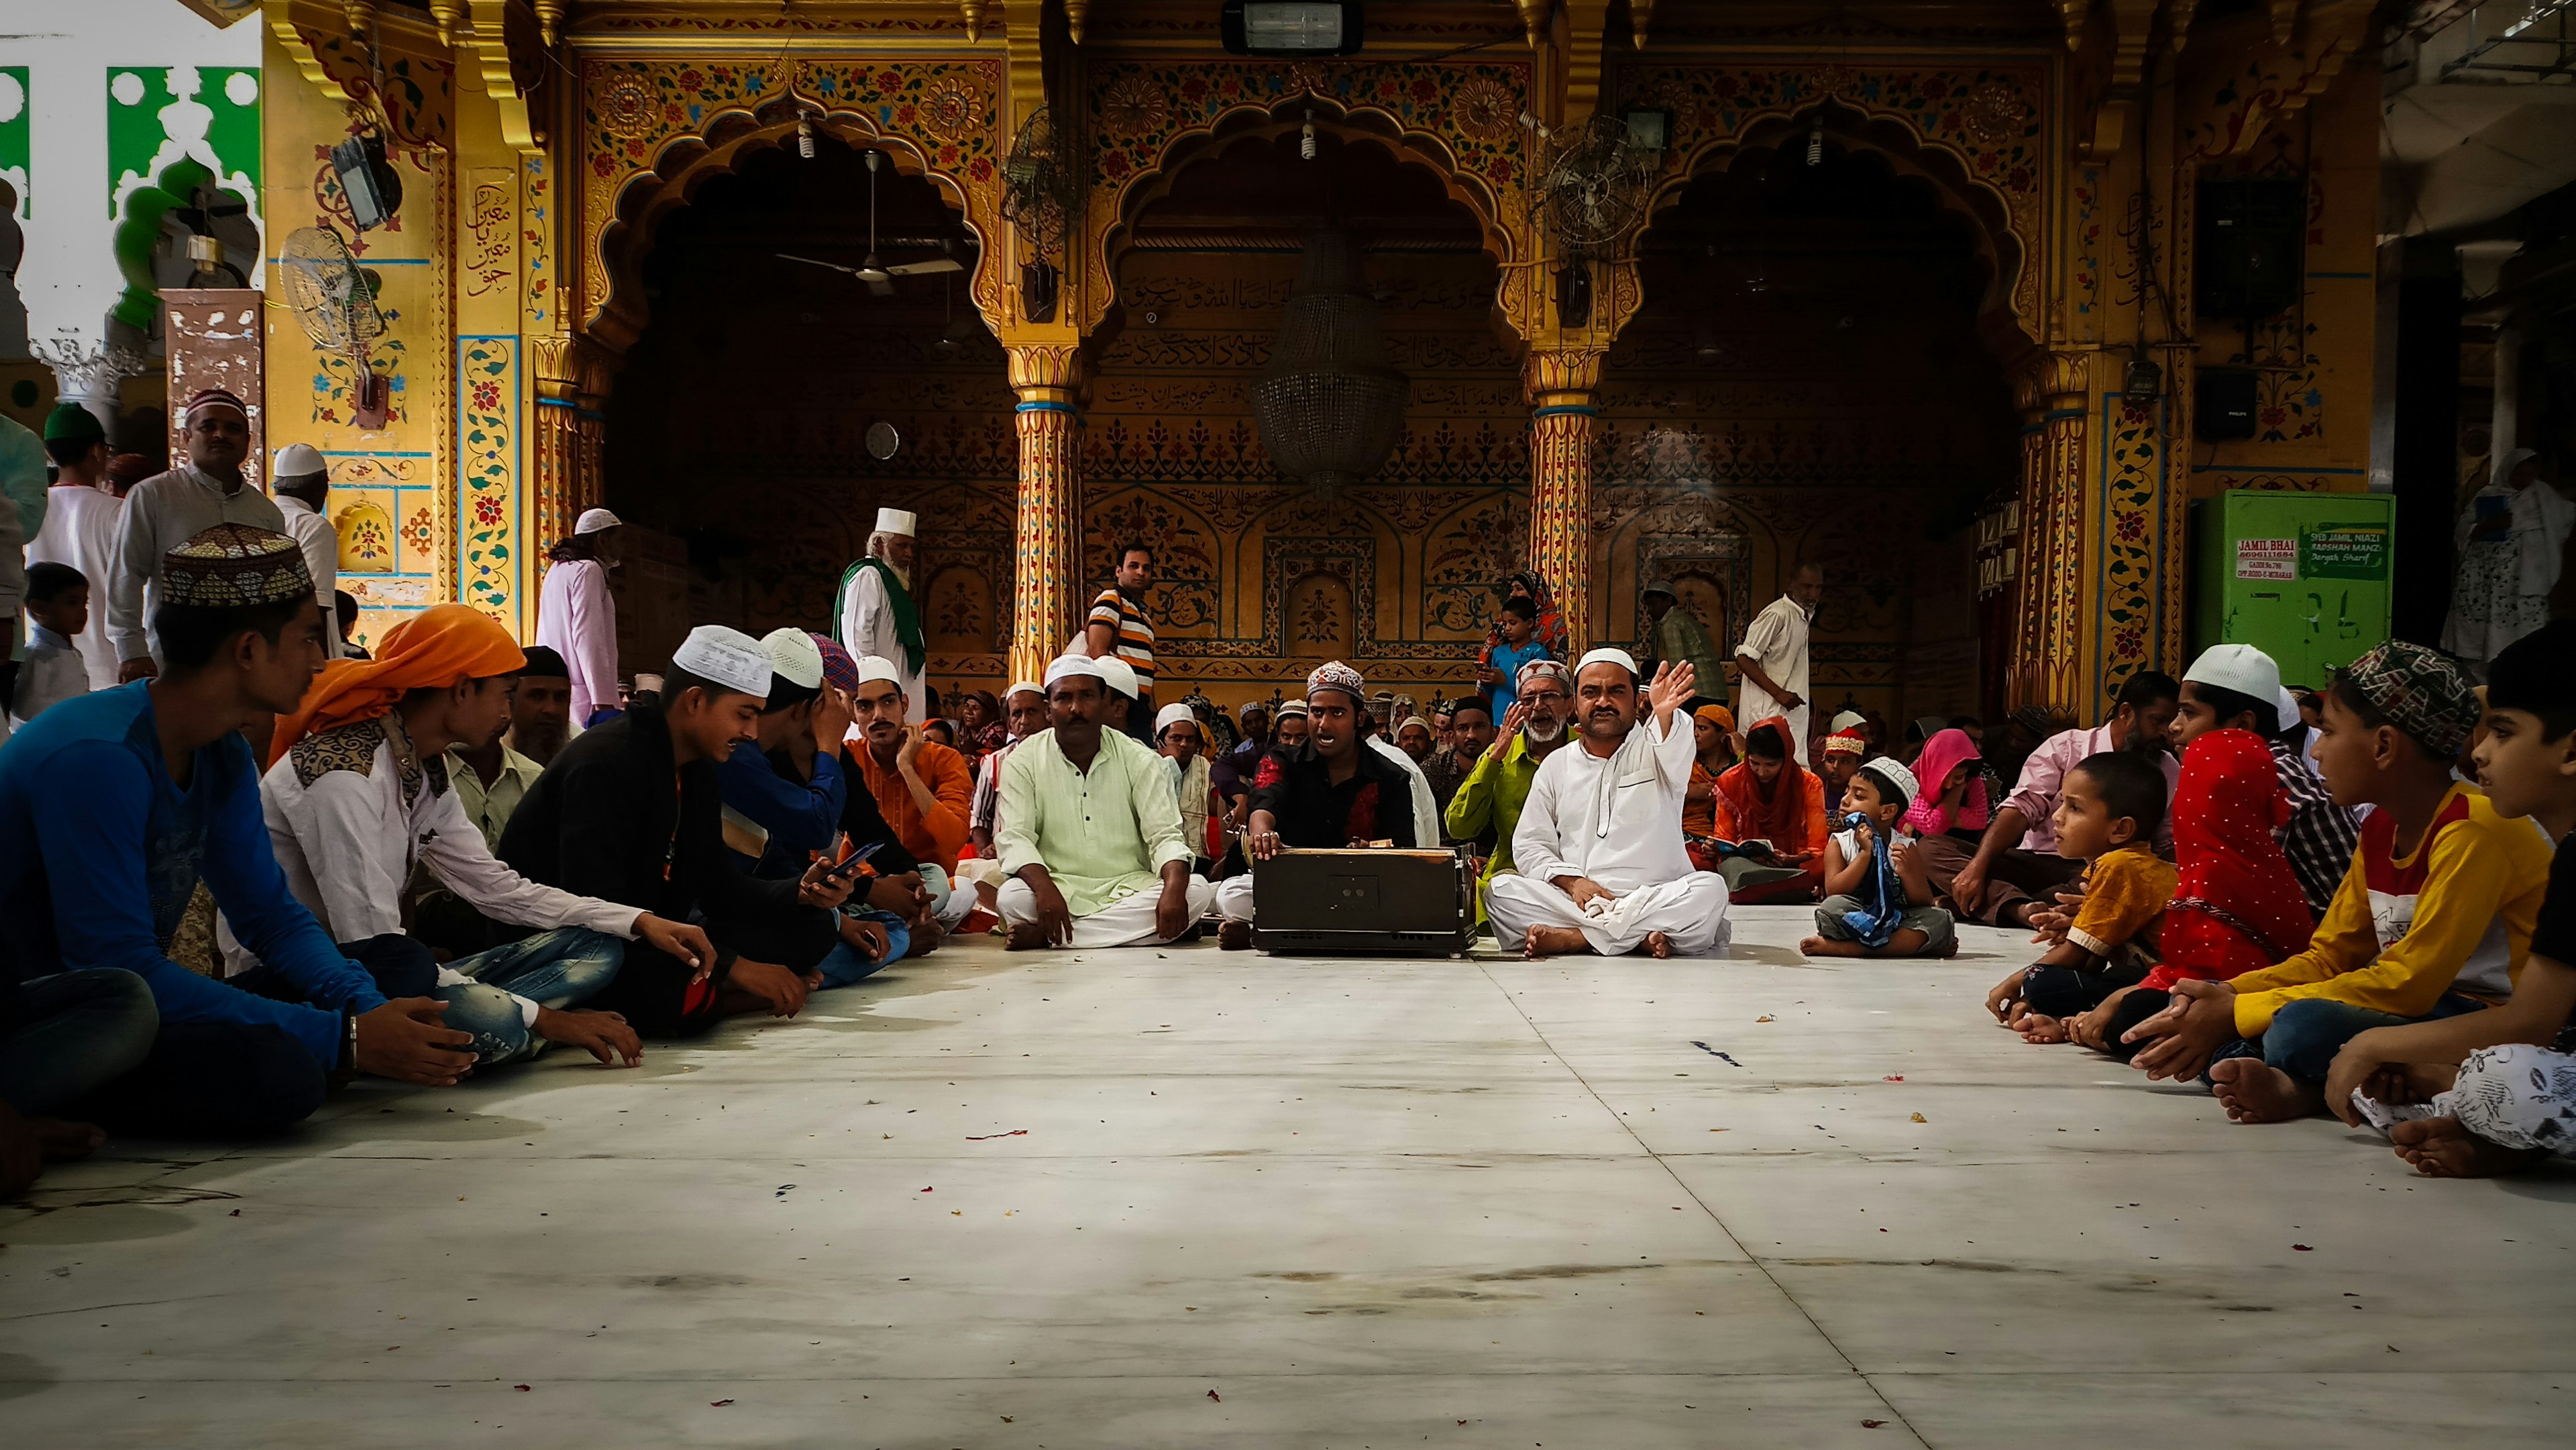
1185, 1198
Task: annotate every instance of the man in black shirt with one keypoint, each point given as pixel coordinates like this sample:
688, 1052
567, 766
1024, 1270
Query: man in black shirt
1328, 792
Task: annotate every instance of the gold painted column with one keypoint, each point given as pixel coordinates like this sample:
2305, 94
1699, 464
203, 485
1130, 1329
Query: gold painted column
1563, 422
1047, 535
564, 445
2049, 667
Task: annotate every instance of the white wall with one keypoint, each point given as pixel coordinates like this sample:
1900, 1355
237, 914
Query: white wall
70, 48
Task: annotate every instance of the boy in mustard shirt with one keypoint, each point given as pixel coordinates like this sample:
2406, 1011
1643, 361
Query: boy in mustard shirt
2431, 921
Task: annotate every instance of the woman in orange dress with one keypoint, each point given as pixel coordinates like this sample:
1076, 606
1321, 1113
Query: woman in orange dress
1706, 817
1774, 798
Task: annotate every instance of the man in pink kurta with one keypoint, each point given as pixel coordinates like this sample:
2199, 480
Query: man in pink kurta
577, 619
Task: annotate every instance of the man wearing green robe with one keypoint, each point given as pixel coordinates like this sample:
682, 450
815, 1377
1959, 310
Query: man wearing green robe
874, 613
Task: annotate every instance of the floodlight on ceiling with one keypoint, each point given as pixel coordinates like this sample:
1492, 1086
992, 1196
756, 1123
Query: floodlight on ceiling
1293, 28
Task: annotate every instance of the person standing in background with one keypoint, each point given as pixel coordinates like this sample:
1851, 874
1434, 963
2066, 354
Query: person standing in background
874, 613
1773, 658
303, 487
168, 509
1118, 628
1675, 635
81, 521
577, 618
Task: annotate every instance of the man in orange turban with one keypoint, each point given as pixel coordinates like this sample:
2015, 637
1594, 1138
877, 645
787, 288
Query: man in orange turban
357, 793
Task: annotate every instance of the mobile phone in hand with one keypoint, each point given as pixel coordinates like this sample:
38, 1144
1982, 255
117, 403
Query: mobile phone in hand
849, 865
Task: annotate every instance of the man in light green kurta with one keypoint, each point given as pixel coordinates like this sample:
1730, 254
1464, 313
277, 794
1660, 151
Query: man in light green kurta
1089, 826
1489, 800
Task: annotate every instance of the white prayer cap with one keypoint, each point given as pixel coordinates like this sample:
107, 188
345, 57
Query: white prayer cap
793, 657
725, 657
1846, 720
1607, 656
1117, 674
1067, 667
1296, 708
1024, 687
2285, 711
296, 460
1171, 715
895, 521
593, 521
1887, 769
2238, 667
878, 667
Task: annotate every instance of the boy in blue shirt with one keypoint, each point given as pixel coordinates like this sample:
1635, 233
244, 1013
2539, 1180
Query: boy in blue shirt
114, 805
1501, 672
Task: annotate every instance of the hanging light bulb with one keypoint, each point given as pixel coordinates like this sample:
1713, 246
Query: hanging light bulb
1306, 140
805, 137
1816, 144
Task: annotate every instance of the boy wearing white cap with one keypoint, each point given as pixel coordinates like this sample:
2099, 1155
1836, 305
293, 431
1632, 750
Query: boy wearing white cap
1601, 862
1090, 836
303, 489
2238, 685
874, 613
576, 617
1878, 902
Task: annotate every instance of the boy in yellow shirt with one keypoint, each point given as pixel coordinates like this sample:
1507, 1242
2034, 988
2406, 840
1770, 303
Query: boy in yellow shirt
2431, 921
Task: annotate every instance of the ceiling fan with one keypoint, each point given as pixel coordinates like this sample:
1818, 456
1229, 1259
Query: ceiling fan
880, 278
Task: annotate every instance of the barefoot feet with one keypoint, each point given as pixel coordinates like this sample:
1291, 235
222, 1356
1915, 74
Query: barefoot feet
2040, 1027
1659, 945
1234, 936
1025, 936
2441, 1148
1550, 941
1817, 946
2253, 1091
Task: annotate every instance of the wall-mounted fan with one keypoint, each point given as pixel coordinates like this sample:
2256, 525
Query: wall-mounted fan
880, 278
335, 299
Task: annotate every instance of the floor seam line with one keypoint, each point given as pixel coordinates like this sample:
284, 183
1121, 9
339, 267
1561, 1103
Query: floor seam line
1722, 1227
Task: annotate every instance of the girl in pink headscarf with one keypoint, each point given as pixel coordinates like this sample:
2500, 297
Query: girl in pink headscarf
1954, 788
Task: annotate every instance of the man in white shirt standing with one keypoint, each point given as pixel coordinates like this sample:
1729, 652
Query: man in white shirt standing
302, 486
576, 616
875, 613
81, 523
168, 509
1600, 860
1773, 657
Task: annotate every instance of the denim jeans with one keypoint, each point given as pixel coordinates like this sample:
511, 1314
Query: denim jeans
554, 969
77, 1031
843, 965
2305, 1035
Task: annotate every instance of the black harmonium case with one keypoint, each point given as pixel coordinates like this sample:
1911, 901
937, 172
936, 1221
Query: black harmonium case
1370, 902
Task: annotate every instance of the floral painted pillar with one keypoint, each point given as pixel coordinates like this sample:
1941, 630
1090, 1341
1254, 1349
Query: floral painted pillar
1046, 572
2048, 667
1563, 423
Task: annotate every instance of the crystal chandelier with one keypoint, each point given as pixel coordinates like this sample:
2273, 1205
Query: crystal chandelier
1328, 406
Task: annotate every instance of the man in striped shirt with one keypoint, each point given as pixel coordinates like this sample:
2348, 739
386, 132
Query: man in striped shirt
1117, 626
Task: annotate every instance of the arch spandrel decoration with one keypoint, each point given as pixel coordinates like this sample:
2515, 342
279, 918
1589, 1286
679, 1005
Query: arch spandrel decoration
1462, 121
936, 117
1995, 122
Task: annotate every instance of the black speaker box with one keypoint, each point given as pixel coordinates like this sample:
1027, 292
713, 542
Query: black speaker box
2223, 405
2250, 254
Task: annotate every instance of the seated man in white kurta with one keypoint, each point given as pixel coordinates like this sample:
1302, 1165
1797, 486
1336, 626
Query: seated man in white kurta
1090, 832
1599, 848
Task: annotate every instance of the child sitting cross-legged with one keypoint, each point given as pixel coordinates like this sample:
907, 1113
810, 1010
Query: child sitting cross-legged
2512, 1103
2431, 921
1878, 903
2107, 816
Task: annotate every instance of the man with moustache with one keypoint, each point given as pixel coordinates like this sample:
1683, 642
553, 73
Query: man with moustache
1331, 792
1602, 862
1489, 801
168, 509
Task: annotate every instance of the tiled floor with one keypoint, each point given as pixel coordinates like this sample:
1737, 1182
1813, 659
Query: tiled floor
1185, 1198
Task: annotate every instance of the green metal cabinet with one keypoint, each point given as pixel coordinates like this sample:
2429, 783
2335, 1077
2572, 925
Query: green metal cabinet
2303, 577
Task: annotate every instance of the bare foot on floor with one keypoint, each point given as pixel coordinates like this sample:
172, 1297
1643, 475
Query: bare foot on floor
1550, 941
2441, 1148
1234, 936
2040, 1027
1659, 945
61, 1140
1817, 946
2253, 1091
1026, 936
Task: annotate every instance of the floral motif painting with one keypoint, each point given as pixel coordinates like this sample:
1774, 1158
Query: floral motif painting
487, 449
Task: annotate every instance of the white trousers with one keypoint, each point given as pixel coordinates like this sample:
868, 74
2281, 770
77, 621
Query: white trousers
1234, 897
1126, 922
2517, 1095
1691, 911
947, 903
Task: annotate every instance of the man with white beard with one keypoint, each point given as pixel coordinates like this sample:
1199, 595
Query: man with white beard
1486, 808
1599, 848
875, 614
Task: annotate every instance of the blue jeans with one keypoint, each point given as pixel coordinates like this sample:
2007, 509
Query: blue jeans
553, 969
843, 965
77, 1031
2305, 1035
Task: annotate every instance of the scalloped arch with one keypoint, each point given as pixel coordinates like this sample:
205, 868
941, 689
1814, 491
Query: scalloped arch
686, 163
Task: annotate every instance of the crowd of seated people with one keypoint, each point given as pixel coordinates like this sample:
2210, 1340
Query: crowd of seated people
427, 870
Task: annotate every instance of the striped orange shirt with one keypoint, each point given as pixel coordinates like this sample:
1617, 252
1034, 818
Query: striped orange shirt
1135, 633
